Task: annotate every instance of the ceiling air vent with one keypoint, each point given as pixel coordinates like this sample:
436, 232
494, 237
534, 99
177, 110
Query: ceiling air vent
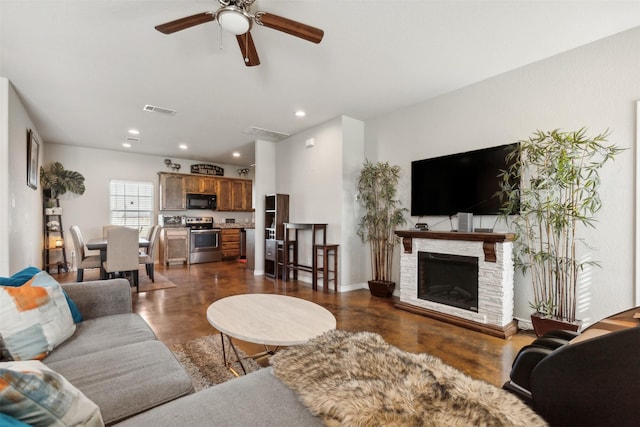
271, 135
161, 110
131, 139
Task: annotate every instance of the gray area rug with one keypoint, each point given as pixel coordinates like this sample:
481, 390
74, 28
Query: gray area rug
203, 360
358, 379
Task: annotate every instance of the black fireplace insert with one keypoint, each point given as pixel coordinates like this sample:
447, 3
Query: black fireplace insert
448, 279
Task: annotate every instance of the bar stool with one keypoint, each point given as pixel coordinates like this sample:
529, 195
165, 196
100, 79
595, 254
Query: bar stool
326, 251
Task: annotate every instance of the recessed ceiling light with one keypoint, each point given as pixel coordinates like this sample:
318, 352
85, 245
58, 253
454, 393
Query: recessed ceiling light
134, 131
300, 113
183, 146
126, 145
236, 154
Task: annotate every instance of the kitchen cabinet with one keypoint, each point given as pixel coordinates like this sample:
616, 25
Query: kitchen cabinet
201, 185
174, 245
172, 193
232, 194
230, 242
225, 198
241, 195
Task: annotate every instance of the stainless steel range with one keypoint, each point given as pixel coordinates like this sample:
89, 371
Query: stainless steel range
204, 240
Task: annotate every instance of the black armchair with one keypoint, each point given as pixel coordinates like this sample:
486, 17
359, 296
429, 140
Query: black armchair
586, 381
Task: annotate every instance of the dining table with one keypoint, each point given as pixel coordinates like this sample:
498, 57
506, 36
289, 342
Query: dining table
100, 244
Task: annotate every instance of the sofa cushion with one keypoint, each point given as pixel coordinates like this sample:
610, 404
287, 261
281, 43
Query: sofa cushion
128, 379
24, 275
20, 278
34, 320
102, 333
7, 421
258, 399
32, 393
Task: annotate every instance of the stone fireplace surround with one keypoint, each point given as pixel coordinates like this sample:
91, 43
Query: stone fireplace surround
495, 278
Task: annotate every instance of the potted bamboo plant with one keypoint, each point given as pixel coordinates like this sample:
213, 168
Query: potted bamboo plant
557, 197
377, 184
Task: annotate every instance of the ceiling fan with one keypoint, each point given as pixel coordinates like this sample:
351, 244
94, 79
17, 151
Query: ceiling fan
234, 16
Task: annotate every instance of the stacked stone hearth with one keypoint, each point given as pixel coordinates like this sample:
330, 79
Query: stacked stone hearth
495, 278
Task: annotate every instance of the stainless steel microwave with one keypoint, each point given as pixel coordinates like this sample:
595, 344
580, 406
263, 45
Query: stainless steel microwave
202, 201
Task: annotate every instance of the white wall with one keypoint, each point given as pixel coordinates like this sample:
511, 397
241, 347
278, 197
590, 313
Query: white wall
594, 86
320, 182
20, 205
90, 211
265, 183
356, 267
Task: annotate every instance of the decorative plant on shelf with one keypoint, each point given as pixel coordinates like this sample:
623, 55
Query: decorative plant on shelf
57, 180
557, 195
377, 184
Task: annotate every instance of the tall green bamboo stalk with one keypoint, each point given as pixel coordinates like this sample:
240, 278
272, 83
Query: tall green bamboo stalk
558, 176
377, 184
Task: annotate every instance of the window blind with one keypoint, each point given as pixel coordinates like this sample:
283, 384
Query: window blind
131, 204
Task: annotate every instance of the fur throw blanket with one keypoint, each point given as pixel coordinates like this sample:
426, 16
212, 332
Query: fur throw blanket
358, 379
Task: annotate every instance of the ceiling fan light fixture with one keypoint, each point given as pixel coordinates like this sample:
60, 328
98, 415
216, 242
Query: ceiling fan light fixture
234, 20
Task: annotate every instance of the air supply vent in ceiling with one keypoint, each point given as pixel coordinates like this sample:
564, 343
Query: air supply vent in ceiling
161, 110
265, 133
131, 139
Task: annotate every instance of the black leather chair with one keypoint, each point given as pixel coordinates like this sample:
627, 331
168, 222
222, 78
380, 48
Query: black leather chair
587, 382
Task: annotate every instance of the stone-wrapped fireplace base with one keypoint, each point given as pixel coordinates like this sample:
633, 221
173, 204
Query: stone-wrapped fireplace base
494, 314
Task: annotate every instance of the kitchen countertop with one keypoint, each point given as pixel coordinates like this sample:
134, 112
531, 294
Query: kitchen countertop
234, 225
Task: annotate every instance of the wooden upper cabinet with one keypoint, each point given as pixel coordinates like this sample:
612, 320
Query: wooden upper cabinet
248, 196
233, 194
225, 195
237, 193
192, 184
172, 192
201, 185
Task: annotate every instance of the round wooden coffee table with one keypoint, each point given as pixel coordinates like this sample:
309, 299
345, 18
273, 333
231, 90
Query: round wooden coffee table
268, 319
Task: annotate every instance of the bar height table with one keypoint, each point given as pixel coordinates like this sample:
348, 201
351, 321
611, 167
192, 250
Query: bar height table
290, 250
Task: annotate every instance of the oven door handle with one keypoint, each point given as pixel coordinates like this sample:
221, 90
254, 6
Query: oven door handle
209, 231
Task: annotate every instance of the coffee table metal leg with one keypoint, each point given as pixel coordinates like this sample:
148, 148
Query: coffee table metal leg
235, 351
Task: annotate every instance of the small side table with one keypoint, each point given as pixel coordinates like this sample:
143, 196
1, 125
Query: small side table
326, 251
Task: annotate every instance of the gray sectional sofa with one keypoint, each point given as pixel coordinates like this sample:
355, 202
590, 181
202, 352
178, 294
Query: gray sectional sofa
115, 359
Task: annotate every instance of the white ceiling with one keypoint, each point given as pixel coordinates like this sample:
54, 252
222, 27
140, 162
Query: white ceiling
85, 69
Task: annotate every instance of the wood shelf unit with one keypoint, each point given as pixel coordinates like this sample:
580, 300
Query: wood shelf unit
54, 255
276, 213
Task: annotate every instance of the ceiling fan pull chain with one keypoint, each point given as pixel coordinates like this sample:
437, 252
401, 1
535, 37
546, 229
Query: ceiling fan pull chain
220, 38
246, 47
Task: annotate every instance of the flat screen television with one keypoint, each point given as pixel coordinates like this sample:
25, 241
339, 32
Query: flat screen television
463, 182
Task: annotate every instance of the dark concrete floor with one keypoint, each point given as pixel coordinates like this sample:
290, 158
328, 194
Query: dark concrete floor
178, 315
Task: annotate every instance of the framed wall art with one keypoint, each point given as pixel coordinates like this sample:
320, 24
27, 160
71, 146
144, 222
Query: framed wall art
33, 149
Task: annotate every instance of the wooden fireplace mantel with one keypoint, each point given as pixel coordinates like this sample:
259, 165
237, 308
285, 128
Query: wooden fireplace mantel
488, 240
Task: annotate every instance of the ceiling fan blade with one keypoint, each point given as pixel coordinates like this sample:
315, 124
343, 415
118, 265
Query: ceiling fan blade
289, 26
186, 22
248, 49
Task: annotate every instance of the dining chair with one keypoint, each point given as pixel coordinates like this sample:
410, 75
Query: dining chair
84, 260
149, 257
122, 253
143, 251
106, 228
